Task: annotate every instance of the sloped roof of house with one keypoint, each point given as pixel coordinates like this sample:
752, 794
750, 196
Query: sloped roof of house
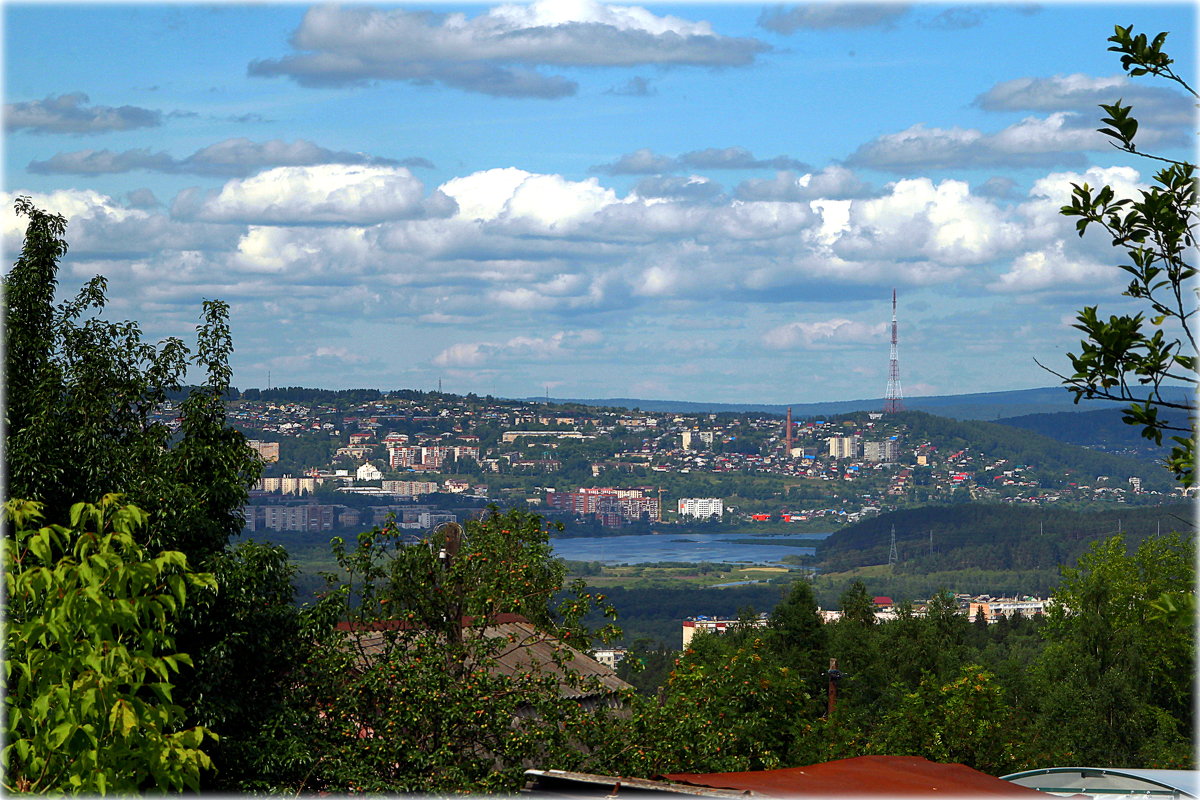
528, 648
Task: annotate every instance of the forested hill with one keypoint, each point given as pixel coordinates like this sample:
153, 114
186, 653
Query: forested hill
1053, 461
992, 536
1100, 430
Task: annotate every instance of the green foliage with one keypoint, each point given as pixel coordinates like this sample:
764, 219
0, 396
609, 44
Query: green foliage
80, 397
89, 660
1053, 462
428, 685
248, 639
1129, 357
1138, 664
727, 707
966, 720
858, 607
988, 536
647, 665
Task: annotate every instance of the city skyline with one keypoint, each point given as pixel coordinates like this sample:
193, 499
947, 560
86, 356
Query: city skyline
707, 202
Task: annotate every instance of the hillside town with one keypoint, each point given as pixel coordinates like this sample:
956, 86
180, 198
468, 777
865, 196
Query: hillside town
427, 458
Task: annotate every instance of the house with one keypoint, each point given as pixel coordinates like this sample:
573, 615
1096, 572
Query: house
520, 648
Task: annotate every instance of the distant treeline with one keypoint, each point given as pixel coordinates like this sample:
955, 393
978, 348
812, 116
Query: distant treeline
657, 613
991, 536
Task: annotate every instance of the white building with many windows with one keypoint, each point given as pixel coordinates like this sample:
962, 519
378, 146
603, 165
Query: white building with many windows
701, 507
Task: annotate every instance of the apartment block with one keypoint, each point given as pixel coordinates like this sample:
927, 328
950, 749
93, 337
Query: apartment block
409, 488
701, 507
288, 484
612, 506
306, 518
885, 452
844, 446
267, 451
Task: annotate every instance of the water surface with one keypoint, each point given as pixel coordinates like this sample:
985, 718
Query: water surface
709, 547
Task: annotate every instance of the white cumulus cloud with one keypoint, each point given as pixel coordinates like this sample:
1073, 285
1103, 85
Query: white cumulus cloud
326, 193
824, 333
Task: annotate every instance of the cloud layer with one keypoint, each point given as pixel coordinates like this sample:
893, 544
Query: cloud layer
67, 113
497, 52
228, 158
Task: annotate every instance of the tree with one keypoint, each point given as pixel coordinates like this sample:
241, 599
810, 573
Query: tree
729, 705
857, 605
798, 635
248, 639
81, 400
1133, 358
964, 720
89, 656
81, 393
430, 683
1104, 633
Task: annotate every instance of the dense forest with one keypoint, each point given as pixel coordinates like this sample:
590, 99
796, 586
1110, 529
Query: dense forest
990, 536
1104, 429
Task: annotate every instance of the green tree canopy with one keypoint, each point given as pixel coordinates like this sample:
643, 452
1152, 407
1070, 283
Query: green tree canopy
81, 393
89, 663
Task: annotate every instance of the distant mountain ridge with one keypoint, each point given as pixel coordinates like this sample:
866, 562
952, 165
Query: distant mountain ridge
980, 405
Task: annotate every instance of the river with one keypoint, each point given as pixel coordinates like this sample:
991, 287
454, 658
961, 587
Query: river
695, 548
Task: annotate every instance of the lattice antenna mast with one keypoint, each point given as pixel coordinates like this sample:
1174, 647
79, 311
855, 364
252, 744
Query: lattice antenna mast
893, 557
894, 400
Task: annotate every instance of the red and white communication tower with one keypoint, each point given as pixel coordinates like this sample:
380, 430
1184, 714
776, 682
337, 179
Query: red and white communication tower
894, 399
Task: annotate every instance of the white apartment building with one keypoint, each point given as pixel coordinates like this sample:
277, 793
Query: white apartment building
844, 446
693, 625
701, 507
996, 607
689, 438
609, 656
429, 519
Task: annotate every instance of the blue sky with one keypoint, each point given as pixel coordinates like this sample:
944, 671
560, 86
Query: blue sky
669, 201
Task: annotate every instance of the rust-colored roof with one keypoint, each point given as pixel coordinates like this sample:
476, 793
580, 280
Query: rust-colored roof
885, 776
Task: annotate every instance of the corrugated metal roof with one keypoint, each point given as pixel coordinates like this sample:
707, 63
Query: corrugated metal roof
561, 783
886, 776
1107, 782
